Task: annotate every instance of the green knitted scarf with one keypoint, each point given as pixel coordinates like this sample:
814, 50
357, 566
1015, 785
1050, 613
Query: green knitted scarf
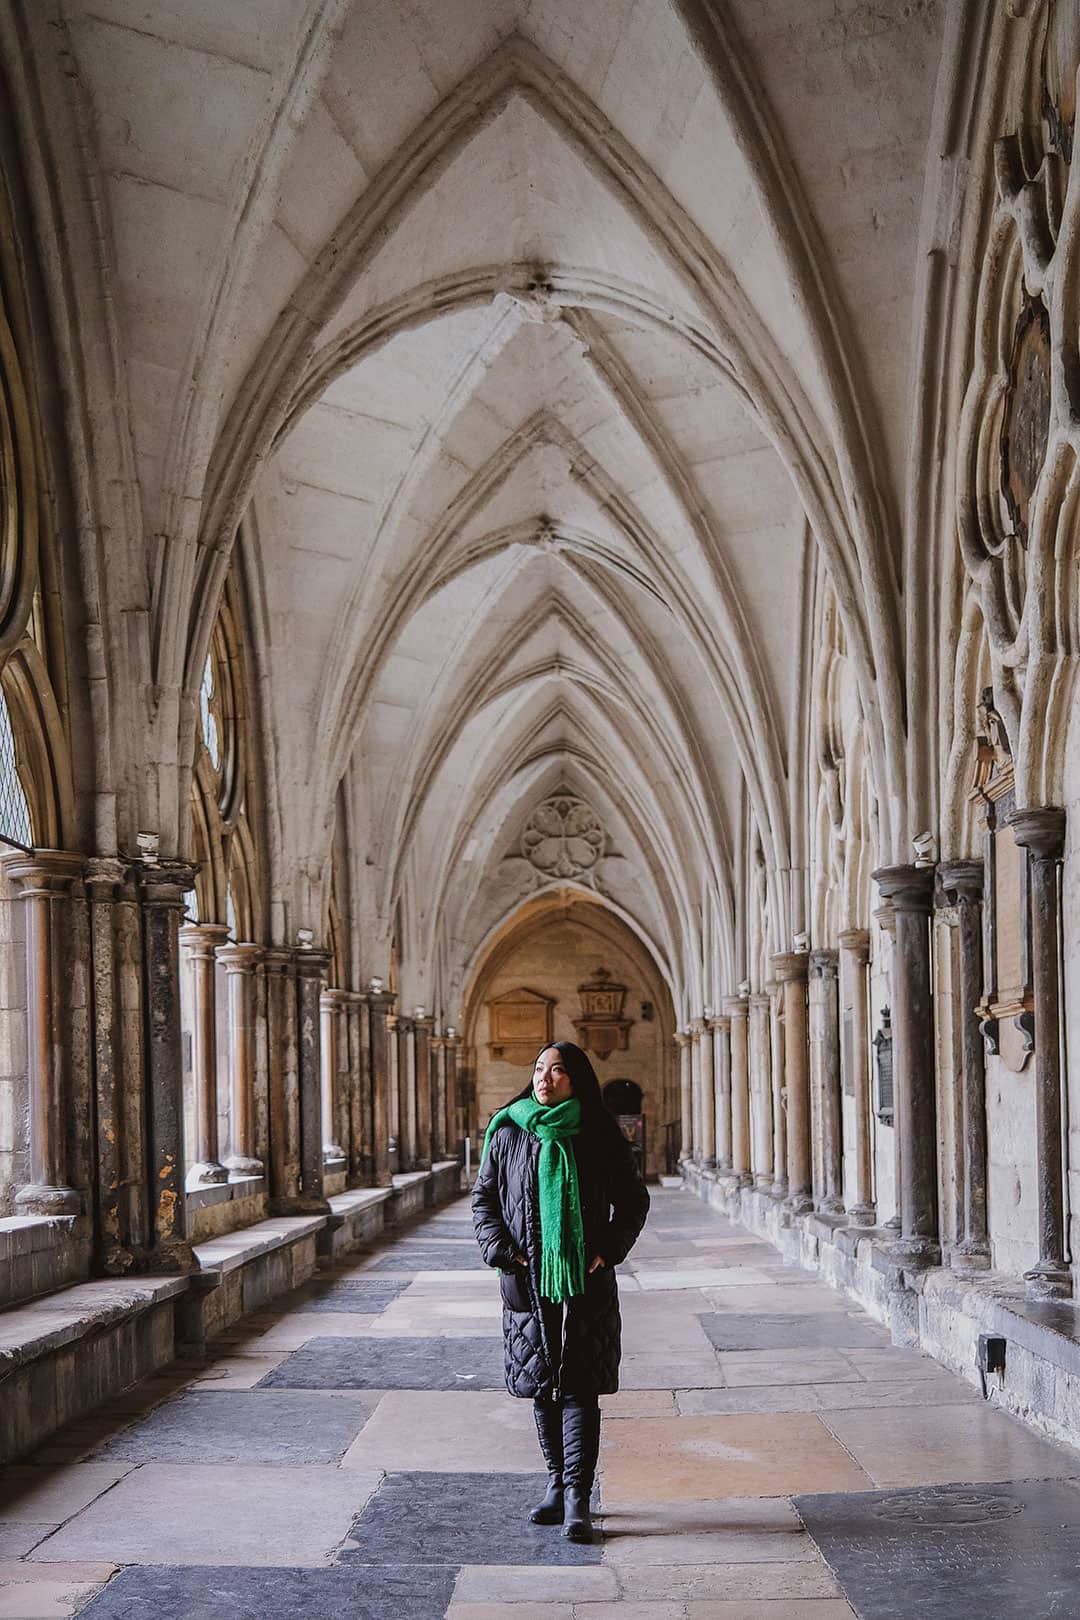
562, 1238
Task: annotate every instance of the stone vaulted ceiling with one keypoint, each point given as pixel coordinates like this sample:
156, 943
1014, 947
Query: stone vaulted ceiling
541, 351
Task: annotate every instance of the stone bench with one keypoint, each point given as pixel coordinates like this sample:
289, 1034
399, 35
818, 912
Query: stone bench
65, 1354
242, 1271
355, 1218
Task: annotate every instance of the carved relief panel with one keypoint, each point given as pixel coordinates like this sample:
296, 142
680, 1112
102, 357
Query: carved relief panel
1007, 1009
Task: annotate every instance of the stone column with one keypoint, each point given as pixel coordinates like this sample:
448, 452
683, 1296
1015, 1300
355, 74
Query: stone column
703, 1047
379, 1005
779, 1090
311, 966
406, 1093
911, 891
686, 1094
824, 968
358, 1091
854, 960
885, 917
457, 1124
283, 1079
241, 964
199, 943
162, 886
422, 1027
791, 969
761, 1087
44, 880
962, 884
721, 1037
331, 1008
118, 1132
1042, 833
735, 1010
439, 1132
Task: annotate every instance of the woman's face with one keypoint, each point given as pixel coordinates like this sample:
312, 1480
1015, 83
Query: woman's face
551, 1083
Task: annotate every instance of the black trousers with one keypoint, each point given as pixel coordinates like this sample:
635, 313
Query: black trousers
569, 1434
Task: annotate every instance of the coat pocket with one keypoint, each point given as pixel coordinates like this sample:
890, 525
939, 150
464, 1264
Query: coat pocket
514, 1287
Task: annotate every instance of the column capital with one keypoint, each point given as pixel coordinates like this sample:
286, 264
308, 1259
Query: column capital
909, 888
164, 883
204, 939
682, 1037
720, 1025
43, 871
425, 1021
856, 941
404, 1024
333, 997
381, 1000
759, 1001
735, 1007
276, 960
239, 957
310, 963
697, 1028
1042, 831
105, 875
961, 880
791, 967
825, 963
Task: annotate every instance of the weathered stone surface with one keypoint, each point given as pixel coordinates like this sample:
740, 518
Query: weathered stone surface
1010, 1551
285, 1427
448, 1519
385, 1363
804, 1332
386, 1592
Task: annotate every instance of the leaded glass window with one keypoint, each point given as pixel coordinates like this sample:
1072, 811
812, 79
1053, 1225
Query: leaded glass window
207, 709
14, 809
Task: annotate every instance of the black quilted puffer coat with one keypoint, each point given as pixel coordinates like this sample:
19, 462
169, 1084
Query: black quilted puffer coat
546, 1353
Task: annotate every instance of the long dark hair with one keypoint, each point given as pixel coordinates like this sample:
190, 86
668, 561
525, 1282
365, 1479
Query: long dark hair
583, 1078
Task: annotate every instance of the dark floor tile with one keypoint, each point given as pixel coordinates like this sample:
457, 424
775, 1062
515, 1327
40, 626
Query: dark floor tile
429, 1257
221, 1426
953, 1552
230, 1592
825, 1330
385, 1363
363, 1297
452, 1519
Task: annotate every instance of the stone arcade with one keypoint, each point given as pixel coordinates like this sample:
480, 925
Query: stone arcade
521, 517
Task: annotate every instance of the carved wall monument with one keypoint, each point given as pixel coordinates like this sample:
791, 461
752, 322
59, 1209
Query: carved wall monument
520, 1025
602, 1028
1007, 1009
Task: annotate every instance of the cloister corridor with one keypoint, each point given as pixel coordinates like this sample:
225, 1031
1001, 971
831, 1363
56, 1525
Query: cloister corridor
352, 1452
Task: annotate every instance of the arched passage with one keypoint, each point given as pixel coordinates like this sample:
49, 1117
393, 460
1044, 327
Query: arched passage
525, 989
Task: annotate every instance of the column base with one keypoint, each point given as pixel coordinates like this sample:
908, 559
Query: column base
40, 1199
207, 1174
970, 1256
799, 1203
708, 1163
862, 1215
237, 1165
299, 1206
762, 1182
916, 1253
778, 1191
892, 1224
1050, 1279
174, 1259
832, 1205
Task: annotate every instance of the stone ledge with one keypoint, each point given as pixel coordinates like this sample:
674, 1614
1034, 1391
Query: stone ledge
36, 1329
356, 1217
65, 1354
224, 1192
220, 1255
40, 1253
243, 1271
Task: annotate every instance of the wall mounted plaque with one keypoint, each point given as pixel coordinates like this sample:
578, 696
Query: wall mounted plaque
520, 1024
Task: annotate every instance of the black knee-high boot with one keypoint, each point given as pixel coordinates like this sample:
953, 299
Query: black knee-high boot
549, 1429
581, 1449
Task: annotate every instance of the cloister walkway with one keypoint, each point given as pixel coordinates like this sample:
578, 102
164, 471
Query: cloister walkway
353, 1453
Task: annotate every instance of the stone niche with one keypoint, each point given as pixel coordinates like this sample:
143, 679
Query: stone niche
520, 1024
1007, 1009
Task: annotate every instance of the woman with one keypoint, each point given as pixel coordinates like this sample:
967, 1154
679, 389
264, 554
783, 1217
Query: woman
557, 1205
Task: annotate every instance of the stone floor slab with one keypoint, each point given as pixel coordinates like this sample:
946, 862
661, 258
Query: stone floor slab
663, 1277
44, 1600
455, 1519
212, 1426
216, 1514
239, 1593
784, 1609
359, 1297
948, 1444
747, 1368
392, 1363
687, 1459
780, 1297
835, 1397
756, 1530
803, 1578
427, 1257
17, 1539
663, 1372
520, 1583
42, 1496
639, 1403
831, 1330
238, 1372
448, 1431
1006, 1551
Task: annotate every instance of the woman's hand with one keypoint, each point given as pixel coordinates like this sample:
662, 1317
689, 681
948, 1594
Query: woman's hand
520, 1260
596, 1264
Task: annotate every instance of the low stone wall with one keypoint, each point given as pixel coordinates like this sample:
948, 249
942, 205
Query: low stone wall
938, 1311
40, 1253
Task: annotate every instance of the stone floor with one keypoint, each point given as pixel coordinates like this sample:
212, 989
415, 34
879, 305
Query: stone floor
353, 1454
